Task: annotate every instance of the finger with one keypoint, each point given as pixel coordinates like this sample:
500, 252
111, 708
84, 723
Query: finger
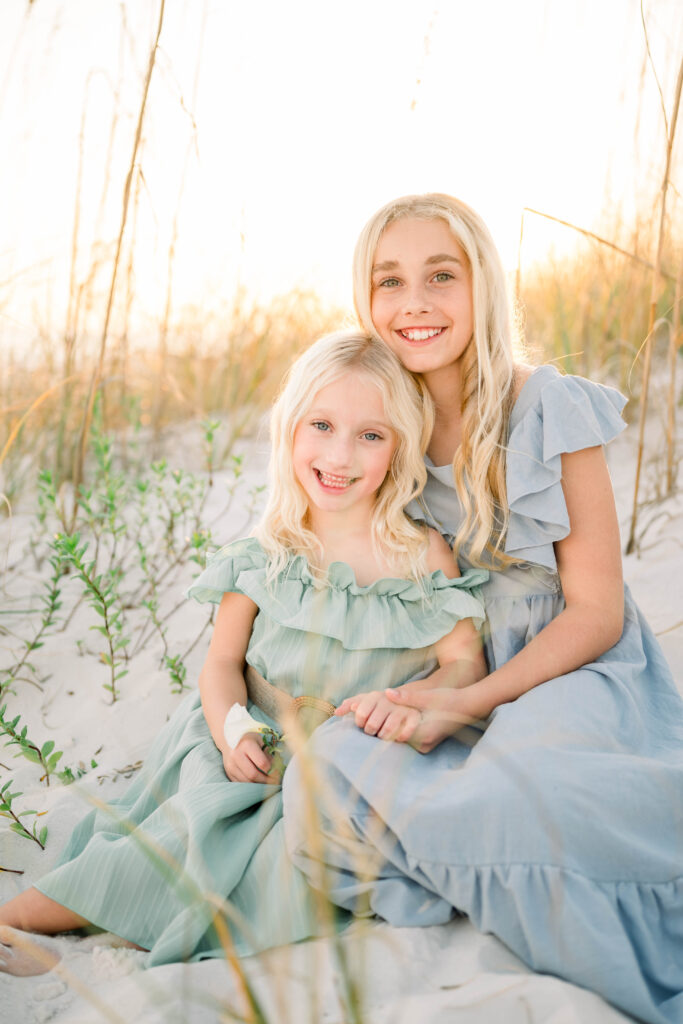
254, 774
434, 700
399, 696
407, 729
250, 748
375, 721
394, 724
412, 697
347, 705
365, 708
259, 761
234, 773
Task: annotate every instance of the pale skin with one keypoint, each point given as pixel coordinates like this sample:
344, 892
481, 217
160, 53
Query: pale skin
345, 437
412, 290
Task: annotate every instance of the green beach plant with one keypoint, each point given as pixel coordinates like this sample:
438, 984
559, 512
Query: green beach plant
16, 817
50, 598
45, 755
101, 590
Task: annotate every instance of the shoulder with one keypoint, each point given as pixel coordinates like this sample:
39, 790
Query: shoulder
565, 406
237, 567
440, 556
522, 372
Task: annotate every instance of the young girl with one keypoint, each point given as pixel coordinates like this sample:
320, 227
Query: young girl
337, 589
561, 829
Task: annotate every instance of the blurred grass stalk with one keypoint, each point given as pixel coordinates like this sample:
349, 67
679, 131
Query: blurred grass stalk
656, 287
97, 375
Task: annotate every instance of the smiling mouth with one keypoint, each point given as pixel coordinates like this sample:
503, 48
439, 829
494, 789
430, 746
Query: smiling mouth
331, 480
420, 333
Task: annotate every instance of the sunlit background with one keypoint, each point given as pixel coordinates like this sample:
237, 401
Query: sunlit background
272, 130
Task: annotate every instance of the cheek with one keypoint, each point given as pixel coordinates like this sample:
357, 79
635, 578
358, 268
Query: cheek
384, 465
299, 449
379, 310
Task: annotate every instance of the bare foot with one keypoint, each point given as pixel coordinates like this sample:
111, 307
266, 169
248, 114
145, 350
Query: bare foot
22, 956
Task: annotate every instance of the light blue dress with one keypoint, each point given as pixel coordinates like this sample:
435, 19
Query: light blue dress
157, 865
559, 826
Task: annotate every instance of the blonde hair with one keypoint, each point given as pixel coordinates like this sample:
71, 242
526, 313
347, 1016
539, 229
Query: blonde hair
285, 528
487, 366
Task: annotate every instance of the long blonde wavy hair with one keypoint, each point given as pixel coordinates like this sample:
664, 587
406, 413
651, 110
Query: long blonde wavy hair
487, 366
285, 526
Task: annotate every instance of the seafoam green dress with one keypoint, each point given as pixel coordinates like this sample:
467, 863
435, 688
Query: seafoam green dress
156, 865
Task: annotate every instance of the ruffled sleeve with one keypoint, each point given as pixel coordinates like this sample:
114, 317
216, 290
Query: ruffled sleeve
553, 414
234, 568
390, 613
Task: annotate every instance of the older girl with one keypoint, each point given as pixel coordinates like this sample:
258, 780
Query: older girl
555, 820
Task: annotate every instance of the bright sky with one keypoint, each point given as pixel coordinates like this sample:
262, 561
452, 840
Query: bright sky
308, 116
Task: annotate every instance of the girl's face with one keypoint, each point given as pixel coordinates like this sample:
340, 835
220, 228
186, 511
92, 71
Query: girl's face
343, 446
421, 297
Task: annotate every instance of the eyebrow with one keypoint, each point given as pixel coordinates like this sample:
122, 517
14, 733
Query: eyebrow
440, 257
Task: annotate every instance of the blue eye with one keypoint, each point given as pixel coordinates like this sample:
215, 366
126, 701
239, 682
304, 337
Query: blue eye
389, 282
320, 425
370, 435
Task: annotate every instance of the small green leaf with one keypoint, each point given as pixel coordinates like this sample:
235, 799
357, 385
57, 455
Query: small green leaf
52, 763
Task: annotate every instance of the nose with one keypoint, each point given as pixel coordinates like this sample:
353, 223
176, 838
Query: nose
340, 452
416, 299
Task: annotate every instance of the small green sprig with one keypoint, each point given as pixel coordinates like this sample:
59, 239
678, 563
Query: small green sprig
67, 776
46, 755
17, 825
47, 499
272, 745
51, 602
177, 671
200, 543
102, 594
210, 427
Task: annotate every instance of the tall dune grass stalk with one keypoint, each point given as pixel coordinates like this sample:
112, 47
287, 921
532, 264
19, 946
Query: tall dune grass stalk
97, 374
170, 263
674, 341
16, 428
656, 284
582, 231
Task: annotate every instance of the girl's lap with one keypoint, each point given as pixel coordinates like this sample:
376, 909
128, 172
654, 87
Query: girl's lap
563, 776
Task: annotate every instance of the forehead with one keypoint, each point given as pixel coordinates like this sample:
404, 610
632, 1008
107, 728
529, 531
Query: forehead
355, 393
413, 238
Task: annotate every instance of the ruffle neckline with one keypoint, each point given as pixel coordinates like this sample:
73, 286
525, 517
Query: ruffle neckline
390, 612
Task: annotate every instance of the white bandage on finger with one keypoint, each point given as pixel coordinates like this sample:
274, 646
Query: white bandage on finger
237, 722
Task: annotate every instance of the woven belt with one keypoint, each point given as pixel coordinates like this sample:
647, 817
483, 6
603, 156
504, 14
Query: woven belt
280, 705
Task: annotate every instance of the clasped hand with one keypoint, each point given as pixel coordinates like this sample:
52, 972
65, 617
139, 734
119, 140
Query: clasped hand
248, 762
421, 717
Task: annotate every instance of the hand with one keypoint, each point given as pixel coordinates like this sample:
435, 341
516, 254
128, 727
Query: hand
377, 716
248, 762
443, 712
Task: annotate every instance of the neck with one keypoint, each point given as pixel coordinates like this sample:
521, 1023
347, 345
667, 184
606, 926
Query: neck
446, 390
348, 538
336, 527
445, 387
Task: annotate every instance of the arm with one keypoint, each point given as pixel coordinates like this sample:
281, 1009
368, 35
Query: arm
221, 684
589, 565
460, 657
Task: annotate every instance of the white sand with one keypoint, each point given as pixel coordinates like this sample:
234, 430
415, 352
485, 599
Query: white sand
430, 975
